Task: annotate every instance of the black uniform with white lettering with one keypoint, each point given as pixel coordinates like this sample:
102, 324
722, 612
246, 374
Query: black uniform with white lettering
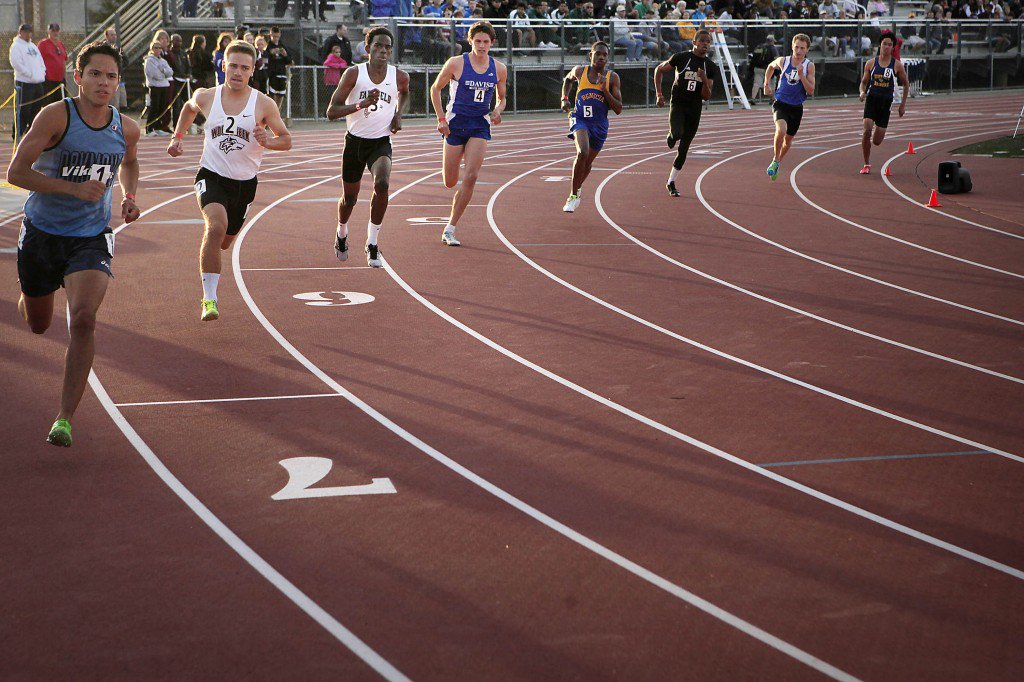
687, 101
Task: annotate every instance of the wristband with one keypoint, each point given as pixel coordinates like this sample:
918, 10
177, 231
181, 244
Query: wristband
129, 196
359, 105
565, 98
178, 136
442, 119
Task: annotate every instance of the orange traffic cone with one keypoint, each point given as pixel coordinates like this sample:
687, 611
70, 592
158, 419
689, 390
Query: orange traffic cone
933, 200
888, 172
910, 148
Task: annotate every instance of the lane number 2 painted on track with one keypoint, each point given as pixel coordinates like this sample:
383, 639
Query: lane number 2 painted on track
305, 472
326, 299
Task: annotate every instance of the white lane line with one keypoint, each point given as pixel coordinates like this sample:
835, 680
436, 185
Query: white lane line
879, 233
560, 528
227, 400
333, 267
913, 292
714, 351
274, 577
772, 301
619, 244
947, 215
271, 574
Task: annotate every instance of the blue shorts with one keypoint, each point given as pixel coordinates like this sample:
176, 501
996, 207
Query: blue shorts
461, 128
45, 259
597, 135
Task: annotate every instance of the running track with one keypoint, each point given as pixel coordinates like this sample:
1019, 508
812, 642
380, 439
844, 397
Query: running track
656, 439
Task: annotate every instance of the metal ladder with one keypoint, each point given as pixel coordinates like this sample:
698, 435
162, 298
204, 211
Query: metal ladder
730, 75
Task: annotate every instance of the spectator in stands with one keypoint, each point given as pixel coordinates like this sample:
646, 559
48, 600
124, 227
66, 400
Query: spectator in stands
686, 30
385, 8
121, 100
763, 55
560, 12
201, 63
670, 35
523, 33
218, 56
359, 48
497, 12
158, 80
339, 38
189, 8
29, 74
358, 10
281, 6
546, 36
936, 36
622, 36
163, 37
581, 33
910, 32
828, 10
698, 15
261, 76
333, 65
55, 56
182, 69
278, 60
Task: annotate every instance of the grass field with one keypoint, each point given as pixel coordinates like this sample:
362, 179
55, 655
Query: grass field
1001, 146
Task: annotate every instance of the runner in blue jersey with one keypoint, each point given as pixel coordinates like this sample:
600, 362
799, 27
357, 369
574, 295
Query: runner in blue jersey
597, 91
68, 161
877, 88
475, 79
796, 82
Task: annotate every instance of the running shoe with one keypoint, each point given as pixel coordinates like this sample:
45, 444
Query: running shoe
448, 239
773, 170
341, 247
672, 191
572, 203
865, 170
373, 256
60, 433
210, 312
670, 141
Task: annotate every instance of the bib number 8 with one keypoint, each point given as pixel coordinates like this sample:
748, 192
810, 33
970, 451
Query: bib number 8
588, 112
478, 95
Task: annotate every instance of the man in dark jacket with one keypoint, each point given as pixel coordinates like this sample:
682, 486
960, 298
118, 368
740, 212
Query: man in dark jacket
340, 37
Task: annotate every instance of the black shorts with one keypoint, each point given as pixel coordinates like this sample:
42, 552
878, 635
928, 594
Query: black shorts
234, 195
361, 153
878, 109
790, 114
277, 84
45, 259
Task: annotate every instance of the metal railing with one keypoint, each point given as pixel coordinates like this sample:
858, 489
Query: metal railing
135, 21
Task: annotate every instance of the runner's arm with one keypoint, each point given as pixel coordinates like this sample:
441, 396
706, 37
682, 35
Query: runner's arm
282, 140
128, 174
572, 76
192, 108
808, 80
440, 83
865, 80
499, 105
337, 108
46, 131
659, 75
614, 93
901, 73
403, 99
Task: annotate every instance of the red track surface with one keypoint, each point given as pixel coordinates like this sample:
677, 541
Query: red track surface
574, 410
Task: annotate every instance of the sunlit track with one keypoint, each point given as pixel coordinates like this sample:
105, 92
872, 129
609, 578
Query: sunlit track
796, 188
600, 207
377, 407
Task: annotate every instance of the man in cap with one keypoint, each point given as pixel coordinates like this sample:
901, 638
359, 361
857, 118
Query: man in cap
29, 74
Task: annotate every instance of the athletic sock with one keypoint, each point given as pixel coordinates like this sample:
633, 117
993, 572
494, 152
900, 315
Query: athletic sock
449, 228
342, 229
672, 174
210, 280
372, 231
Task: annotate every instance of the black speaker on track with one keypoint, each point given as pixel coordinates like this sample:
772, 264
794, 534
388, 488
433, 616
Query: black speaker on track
965, 181
949, 177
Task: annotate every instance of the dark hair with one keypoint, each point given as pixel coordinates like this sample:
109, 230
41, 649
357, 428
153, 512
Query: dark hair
378, 31
98, 47
482, 27
240, 46
887, 34
701, 32
599, 43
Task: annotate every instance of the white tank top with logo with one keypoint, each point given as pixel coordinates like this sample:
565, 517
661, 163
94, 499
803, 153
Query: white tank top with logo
373, 122
229, 148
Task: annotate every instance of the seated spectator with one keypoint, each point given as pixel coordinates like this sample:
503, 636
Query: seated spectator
621, 34
523, 33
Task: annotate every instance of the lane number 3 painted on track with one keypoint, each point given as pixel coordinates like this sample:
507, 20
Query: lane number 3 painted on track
304, 472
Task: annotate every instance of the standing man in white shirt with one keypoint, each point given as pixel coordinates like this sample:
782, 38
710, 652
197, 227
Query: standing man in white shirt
29, 74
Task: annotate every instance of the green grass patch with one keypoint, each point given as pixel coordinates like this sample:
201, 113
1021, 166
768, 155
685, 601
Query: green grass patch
999, 147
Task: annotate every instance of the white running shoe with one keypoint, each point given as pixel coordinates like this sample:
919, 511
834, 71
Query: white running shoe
572, 203
341, 246
448, 239
373, 256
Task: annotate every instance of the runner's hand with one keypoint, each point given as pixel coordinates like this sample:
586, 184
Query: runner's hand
661, 100
396, 123
371, 98
129, 211
260, 133
768, 90
863, 96
442, 127
566, 105
495, 118
903, 108
175, 147
90, 190
703, 75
